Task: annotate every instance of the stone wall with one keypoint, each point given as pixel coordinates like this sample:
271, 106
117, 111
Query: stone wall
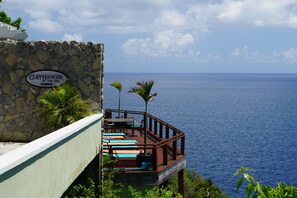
81, 62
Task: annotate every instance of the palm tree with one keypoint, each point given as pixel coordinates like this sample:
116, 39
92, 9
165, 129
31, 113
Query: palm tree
63, 105
118, 86
143, 89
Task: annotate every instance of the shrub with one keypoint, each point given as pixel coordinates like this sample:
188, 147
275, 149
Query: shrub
255, 189
196, 186
63, 105
153, 192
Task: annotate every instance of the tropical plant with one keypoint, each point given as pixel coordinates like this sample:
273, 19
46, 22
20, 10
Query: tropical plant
118, 86
81, 190
143, 89
63, 105
196, 186
256, 190
110, 188
153, 192
4, 18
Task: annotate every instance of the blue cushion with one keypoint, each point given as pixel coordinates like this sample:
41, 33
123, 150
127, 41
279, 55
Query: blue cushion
120, 141
113, 134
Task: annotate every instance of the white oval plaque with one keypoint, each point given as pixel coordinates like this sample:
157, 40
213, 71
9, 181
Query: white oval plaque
46, 78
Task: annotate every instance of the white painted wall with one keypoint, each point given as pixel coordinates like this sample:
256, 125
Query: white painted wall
47, 166
10, 32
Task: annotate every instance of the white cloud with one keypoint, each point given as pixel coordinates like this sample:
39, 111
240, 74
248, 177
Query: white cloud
46, 25
166, 43
171, 18
74, 37
258, 13
239, 51
171, 27
245, 55
290, 56
155, 16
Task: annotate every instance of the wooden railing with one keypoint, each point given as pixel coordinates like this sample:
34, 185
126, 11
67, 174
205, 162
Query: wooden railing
169, 141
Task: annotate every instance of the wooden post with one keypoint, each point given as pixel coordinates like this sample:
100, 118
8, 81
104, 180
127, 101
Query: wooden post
161, 130
154, 159
150, 123
165, 156
182, 145
155, 127
181, 187
174, 146
167, 132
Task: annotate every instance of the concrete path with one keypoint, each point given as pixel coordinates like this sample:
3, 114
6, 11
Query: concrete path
5, 147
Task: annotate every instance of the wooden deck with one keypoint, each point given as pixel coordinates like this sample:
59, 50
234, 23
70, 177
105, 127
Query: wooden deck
165, 143
125, 164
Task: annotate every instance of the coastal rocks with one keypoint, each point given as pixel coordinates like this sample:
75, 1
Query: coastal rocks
81, 62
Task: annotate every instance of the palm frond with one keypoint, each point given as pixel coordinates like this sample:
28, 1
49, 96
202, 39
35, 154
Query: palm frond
143, 89
117, 85
63, 105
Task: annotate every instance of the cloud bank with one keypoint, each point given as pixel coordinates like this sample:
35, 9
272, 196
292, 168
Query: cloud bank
171, 27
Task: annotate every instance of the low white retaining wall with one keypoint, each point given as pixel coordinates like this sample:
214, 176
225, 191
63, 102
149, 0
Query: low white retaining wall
10, 32
47, 166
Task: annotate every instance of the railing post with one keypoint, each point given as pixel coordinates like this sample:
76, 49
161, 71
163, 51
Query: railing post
182, 146
150, 123
155, 159
181, 187
161, 130
108, 114
165, 156
174, 146
155, 126
167, 132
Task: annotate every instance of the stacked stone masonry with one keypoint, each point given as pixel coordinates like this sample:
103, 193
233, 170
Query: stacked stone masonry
81, 62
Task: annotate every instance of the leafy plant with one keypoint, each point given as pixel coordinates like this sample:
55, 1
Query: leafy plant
109, 188
256, 190
196, 186
80, 190
118, 86
153, 193
143, 89
4, 18
63, 105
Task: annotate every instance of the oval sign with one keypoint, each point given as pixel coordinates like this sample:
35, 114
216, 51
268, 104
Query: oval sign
46, 78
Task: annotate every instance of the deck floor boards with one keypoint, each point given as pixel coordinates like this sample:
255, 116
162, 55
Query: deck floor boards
138, 136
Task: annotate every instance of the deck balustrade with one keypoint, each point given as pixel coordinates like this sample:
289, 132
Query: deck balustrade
167, 142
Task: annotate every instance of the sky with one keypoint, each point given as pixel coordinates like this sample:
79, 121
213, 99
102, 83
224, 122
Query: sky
172, 36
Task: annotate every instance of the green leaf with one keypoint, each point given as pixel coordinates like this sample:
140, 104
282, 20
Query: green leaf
249, 189
260, 189
238, 184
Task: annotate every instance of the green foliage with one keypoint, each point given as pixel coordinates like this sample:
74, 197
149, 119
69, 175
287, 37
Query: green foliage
143, 89
256, 190
80, 191
152, 193
196, 186
282, 191
63, 105
109, 188
109, 160
253, 188
4, 18
118, 86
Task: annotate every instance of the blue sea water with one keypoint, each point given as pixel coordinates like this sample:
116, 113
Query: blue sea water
230, 120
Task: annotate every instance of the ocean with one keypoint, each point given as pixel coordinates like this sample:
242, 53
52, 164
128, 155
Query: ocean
230, 120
